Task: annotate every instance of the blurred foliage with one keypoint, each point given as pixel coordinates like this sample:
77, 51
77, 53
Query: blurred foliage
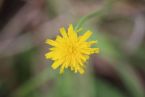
49, 83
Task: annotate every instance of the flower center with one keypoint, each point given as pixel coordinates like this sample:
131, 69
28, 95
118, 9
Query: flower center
72, 50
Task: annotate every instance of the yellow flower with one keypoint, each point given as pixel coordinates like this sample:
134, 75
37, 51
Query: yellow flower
70, 50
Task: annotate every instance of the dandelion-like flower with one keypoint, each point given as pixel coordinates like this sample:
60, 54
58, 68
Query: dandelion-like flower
70, 50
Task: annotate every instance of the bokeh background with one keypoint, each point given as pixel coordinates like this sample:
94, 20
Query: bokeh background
117, 71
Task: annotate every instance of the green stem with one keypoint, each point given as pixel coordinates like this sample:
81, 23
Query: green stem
83, 20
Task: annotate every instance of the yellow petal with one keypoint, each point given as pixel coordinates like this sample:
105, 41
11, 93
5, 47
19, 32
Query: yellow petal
85, 36
49, 55
81, 70
92, 42
56, 64
63, 32
71, 33
59, 39
51, 42
84, 58
97, 50
62, 69
70, 29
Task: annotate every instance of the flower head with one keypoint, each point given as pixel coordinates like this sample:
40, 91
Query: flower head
70, 50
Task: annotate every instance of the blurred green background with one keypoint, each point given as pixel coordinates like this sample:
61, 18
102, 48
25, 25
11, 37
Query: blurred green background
117, 71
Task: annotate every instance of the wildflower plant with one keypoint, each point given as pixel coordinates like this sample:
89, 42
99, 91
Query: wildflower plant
70, 49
